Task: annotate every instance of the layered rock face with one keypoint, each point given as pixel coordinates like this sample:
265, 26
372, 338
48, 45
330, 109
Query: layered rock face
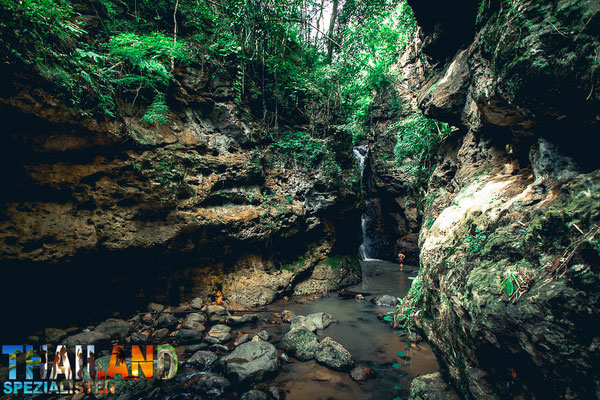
193, 206
509, 290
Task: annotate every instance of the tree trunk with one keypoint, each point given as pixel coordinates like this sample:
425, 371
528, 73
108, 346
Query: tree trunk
330, 43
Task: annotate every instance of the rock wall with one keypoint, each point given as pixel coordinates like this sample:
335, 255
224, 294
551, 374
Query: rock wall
186, 208
508, 293
398, 208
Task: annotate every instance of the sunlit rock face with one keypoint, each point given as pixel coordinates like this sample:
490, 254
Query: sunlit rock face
509, 275
187, 208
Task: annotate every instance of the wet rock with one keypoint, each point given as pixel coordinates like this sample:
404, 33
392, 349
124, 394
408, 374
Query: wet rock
251, 362
192, 349
300, 321
219, 348
262, 335
161, 333
168, 321
218, 314
333, 355
88, 338
115, 328
361, 373
209, 384
385, 300
218, 334
321, 320
196, 303
54, 335
431, 387
301, 343
194, 321
254, 395
155, 307
241, 319
202, 360
188, 336
287, 315
241, 339
147, 319
138, 338
275, 392
414, 337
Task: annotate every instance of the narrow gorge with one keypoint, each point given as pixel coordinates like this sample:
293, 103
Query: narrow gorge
303, 200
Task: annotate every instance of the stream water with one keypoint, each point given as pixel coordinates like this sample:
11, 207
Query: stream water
371, 342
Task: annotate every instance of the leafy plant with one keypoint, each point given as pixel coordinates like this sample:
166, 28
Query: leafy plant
475, 242
429, 222
417, 140
158, 111
509, 284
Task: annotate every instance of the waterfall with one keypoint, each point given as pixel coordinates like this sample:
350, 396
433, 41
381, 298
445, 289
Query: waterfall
365, 251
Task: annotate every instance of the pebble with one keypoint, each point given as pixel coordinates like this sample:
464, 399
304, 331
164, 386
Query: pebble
241, 339
161, 333
262, 335
361, 373
197, 303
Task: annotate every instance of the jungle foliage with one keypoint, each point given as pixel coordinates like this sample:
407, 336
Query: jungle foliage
318, 64
289, 60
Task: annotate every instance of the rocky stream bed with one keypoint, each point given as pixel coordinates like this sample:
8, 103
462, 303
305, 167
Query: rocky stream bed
323, 346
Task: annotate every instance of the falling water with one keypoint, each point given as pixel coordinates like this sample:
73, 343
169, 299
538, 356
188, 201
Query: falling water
361, 153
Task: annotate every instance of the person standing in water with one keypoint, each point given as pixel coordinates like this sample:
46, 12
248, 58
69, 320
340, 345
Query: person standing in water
401, 261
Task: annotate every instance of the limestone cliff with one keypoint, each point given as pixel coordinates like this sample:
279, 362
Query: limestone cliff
198, 204
508, 293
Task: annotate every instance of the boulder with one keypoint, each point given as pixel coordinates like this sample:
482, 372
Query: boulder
194, 321
161, 333
202, 360
192, 349
188, 336
300, 321
321, 320
333, 355
115, 328
301, 343
53, 335
218, 314
218, 334
155, 307
251, 362
196, 303
138, 338
208, 384
431, 387
385, 300
88, 338
168, 321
